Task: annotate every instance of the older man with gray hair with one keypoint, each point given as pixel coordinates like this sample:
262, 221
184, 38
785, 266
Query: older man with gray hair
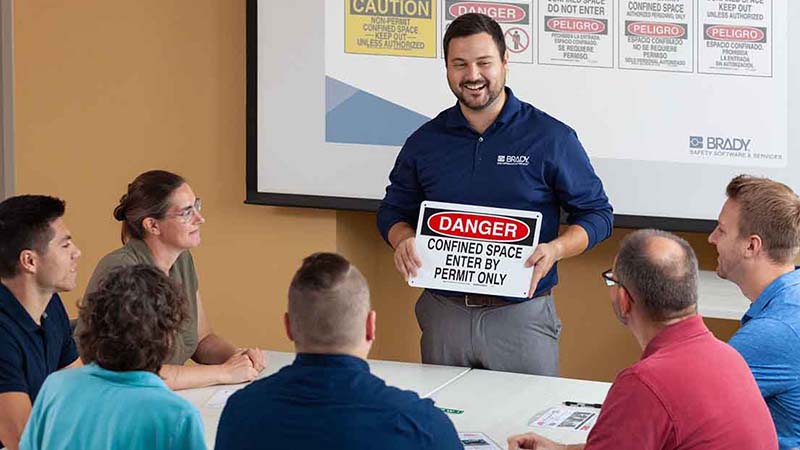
328, 398
689, 391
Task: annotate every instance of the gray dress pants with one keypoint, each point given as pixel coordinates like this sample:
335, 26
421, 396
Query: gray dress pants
518, 337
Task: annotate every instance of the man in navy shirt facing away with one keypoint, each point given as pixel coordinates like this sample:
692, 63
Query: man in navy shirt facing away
491, 149
328, 398
37, 260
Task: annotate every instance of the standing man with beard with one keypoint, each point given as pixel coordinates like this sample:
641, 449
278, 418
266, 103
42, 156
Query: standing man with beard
461, 157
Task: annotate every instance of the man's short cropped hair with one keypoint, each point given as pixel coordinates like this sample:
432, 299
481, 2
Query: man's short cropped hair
132, 320
328, 303
770, 210
664, 282
474, 23
25, 225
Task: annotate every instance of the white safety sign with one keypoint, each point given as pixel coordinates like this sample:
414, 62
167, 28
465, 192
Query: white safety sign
475, 249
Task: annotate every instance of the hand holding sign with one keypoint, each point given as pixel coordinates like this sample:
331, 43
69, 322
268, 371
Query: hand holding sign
542, 261
406, 259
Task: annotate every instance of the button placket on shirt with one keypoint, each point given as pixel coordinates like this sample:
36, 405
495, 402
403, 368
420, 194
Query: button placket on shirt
477, 155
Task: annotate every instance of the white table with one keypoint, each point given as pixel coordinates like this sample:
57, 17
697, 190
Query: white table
720, 299
501, 403
423, 379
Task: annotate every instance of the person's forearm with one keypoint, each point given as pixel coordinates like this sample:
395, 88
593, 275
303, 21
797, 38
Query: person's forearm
15, 409
573, 241
186, 377
212, 349
11, 433
11, 443
400, 232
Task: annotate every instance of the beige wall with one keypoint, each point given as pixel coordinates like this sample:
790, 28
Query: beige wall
107, 89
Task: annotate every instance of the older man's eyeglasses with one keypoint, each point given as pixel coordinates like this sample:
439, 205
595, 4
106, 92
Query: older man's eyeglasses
185, 215
610, 280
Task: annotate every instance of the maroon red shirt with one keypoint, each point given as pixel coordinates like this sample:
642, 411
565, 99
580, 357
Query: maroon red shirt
689, 391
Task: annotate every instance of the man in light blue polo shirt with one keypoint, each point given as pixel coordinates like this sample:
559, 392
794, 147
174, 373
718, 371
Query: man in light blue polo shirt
118, 401
758, 240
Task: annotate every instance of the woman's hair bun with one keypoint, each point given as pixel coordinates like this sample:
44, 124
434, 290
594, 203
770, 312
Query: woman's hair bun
119, 211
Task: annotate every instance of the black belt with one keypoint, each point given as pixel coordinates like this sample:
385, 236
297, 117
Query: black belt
480, 300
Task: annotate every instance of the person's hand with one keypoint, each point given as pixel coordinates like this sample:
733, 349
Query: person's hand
532, 441
406, 259
542, 260
256, 357
238, 369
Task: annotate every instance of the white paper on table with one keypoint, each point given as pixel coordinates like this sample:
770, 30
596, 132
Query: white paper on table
477, 441
565, 417
219, 398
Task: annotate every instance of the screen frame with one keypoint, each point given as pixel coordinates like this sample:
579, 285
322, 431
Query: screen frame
256, 197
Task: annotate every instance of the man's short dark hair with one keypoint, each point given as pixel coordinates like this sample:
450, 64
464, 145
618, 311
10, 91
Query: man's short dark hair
666, 282
474, 23
328, 303
132, 320
25, 225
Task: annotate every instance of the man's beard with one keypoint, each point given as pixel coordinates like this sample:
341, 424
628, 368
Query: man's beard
464, 98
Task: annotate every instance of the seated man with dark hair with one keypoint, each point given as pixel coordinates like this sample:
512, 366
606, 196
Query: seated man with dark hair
37, 260
328, 398
118, 401
689, 391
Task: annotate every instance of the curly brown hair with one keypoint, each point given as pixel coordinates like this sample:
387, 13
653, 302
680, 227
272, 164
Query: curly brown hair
131, 320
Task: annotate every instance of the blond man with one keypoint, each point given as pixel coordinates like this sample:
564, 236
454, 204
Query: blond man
758, 239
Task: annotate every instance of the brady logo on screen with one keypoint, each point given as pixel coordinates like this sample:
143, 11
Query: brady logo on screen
720, 143
478, 226
730, 144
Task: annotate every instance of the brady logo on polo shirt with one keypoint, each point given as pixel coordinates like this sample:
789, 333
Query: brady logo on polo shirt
478, 226
513, 160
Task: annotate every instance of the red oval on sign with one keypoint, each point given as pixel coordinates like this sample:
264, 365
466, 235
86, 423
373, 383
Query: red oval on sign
478, 226
656, 29
735, 33
575, 25
500, 12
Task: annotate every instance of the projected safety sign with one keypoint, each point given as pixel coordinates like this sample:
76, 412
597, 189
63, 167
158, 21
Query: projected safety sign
475, 249
391, 27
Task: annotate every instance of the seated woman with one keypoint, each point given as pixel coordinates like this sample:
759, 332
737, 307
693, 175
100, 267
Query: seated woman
161, 221
117, 401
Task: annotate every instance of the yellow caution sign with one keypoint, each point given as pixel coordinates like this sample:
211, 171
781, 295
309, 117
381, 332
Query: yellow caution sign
391, 27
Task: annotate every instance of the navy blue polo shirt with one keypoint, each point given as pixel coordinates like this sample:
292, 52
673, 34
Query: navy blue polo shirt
525, 160
29, 352
331, 402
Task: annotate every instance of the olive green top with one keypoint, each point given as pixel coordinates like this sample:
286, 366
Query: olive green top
134, 252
